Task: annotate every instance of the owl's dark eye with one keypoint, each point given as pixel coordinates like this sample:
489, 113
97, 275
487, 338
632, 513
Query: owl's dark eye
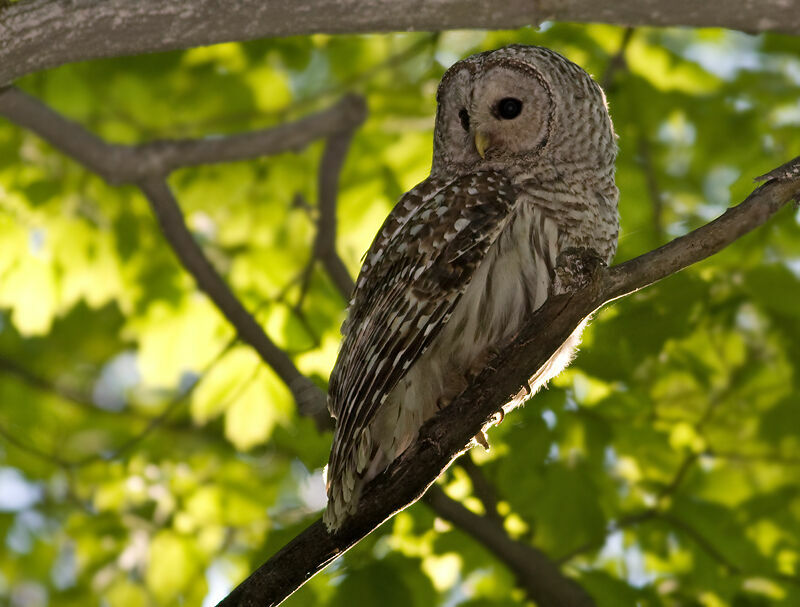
509, 108
463, 115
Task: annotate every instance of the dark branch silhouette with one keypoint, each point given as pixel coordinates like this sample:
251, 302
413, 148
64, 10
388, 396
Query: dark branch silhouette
147, 167
325, 245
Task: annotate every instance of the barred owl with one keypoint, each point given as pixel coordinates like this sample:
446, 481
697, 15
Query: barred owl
523, 168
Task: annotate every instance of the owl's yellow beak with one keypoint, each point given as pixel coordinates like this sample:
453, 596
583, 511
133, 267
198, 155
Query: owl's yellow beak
482, 142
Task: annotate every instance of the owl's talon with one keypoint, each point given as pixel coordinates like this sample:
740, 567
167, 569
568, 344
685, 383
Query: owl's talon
576, 268
482, 363
482, 440
523, 394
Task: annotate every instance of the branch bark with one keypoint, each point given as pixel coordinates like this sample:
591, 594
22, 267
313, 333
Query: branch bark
41, 34
446, 436
147, 167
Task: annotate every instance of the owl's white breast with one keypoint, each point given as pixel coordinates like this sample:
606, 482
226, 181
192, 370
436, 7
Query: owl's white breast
511, 282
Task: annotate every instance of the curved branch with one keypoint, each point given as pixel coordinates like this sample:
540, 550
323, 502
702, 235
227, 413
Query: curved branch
40, 34
119, 164
147, 166
447, 435
170, 218
783, 186
541, 579
325, 245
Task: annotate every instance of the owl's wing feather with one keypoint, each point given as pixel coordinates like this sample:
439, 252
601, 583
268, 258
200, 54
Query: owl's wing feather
415, 271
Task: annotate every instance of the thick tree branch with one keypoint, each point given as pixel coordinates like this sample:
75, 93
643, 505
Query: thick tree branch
147, 166
541, 579
450, 432
40, 34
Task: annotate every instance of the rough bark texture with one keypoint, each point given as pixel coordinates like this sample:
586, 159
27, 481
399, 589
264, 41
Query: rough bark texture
40, 34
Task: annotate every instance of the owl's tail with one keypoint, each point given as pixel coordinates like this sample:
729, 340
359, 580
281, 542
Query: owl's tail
346, 480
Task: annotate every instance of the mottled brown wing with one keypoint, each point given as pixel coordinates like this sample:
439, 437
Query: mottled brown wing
414, 273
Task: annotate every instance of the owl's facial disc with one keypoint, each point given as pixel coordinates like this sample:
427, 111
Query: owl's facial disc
495, 111
509, 111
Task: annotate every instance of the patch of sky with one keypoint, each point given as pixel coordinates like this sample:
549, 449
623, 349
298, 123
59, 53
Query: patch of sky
118, 376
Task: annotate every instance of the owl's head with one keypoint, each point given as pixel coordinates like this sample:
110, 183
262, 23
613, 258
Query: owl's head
520, 105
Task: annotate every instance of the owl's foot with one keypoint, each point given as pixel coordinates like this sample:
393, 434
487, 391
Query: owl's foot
481, 363
576, 268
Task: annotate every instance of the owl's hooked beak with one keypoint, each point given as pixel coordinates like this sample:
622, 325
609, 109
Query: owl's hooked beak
482, 142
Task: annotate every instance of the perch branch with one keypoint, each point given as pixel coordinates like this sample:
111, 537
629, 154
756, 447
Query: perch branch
450, 432
41, 34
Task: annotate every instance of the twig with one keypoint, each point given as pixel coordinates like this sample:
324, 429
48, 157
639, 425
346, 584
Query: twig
65, 393
160, 419
618, 525
541, 579
700, 541
52, 458
615, 65
770, 458
324, 250
617, 62
153, 424
653, 189
325, 245
481, 487
448, 434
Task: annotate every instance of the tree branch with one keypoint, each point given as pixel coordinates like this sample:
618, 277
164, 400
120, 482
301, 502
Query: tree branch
541, 579
325, 245
482, 488
617, 61
119, 164
170, 217
40, 34
147, 166
450, 432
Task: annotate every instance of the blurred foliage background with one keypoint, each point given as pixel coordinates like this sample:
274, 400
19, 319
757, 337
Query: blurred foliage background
147, 458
